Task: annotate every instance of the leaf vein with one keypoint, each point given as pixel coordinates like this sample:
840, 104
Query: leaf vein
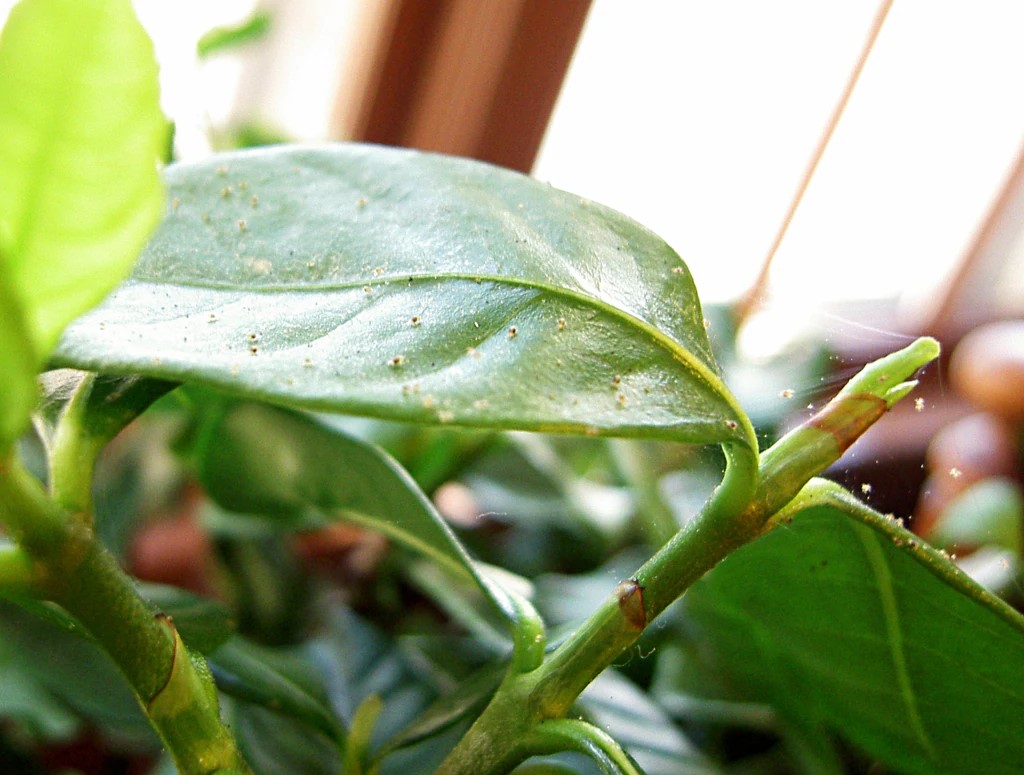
679, 352
890, 612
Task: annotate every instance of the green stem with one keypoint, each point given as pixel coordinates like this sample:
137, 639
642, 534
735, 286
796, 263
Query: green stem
751, 492
556, 735
692, 551
525, 700
100, 406
70, 567
30, 518
72, 454
528, 636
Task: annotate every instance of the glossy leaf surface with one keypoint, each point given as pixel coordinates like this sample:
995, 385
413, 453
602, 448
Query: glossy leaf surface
417, 287
842, 619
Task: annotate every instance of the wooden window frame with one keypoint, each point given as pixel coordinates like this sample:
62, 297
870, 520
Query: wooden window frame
476, 78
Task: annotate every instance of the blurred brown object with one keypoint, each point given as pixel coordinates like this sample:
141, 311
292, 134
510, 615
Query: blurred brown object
981, 288
962, 454
475, 78
175, 550
346, 553
987, 368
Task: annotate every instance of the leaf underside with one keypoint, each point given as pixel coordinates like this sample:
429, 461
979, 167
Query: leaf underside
852, 624
265, 460
416, 287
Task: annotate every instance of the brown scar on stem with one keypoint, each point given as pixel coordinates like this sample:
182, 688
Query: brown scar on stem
848, 417
631, 602
167, 623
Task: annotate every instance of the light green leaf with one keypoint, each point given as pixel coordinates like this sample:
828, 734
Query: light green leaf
80, 135
221, 39
258, 459
989, 512
840, 618
417, 287
357, 749
17, 365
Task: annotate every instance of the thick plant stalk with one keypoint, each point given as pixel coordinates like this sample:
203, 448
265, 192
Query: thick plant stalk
71, 567
736, 514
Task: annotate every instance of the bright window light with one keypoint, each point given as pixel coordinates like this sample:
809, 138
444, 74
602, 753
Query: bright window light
698, 119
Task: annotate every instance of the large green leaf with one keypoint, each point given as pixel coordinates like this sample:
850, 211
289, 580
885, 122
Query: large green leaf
80, 134
264, 460
417, 287
842, 619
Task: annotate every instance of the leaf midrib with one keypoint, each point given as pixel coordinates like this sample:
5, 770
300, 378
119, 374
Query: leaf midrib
678, 352
894, 632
